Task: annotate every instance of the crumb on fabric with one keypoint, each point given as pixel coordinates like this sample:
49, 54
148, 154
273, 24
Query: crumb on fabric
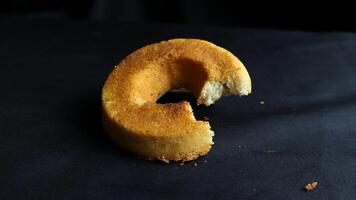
311, 186
181, 163
262, 102
206, 118
163, 159
205, 161
195, 164
270, 151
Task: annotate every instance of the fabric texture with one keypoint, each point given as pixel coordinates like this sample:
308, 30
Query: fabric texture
52, 145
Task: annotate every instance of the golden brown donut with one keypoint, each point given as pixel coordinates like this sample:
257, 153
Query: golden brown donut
167, 132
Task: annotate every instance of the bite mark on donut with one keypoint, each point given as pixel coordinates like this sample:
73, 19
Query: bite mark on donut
213, 90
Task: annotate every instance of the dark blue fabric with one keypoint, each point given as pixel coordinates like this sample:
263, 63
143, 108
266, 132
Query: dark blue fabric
52, 145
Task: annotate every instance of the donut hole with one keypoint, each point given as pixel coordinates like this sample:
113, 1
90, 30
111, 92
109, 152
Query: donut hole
154, 81
176, 97
192, 75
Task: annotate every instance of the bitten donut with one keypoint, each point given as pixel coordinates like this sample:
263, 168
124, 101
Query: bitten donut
168, 132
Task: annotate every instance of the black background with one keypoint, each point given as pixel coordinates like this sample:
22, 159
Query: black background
54, 60
295, 15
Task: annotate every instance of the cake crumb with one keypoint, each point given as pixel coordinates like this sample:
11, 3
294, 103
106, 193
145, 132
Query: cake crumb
311, 186
195, 164
262, 102
163, 159
181, 163
206, 118
205, 161
270, 151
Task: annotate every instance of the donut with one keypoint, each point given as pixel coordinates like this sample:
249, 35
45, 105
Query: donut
168, 132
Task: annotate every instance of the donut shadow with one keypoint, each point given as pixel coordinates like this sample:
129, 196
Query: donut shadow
86, 116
